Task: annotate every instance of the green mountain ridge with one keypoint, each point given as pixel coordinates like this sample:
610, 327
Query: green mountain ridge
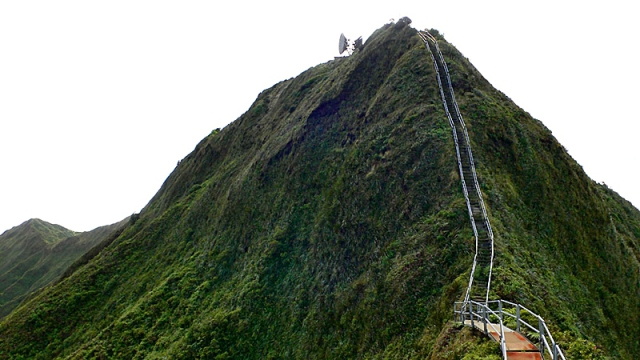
328, 221
38, 230
35, 253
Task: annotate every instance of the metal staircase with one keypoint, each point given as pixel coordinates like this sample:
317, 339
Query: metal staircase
480, 279
477, 311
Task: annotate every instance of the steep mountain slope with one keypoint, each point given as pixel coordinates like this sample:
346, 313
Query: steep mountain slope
35, 253
328, 222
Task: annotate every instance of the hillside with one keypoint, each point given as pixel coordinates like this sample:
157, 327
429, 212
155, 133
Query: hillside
35, 253
328, 222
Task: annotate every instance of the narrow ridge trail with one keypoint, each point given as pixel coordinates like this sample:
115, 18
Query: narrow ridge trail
480, 279
476, 310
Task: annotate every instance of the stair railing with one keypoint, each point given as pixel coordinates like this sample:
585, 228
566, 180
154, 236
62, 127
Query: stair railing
467, 143
473, 167
464, 311
424, 37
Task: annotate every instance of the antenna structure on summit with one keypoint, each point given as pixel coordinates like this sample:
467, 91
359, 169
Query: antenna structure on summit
346, 45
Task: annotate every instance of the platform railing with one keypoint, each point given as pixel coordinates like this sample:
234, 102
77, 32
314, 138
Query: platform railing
500, 309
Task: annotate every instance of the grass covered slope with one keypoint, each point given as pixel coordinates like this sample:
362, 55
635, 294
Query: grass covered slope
567, 247
328, 222
22, 250
35, 253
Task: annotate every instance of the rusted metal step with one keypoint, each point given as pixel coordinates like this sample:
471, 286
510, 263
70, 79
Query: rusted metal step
521, 355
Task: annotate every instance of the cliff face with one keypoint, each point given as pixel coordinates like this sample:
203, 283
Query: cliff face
328, 222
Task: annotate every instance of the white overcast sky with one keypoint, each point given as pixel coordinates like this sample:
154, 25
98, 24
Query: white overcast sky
100, 99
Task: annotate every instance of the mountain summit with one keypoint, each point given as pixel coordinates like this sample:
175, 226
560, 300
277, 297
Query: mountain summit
328, 221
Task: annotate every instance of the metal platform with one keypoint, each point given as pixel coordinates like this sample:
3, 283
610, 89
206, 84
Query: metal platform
517, 346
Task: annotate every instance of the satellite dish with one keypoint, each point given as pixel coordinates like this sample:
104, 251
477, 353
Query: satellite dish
358, 43
349, 46
344, 44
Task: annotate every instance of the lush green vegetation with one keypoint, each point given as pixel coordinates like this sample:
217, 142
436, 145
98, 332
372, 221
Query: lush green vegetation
328, 222
565, 246
35, 253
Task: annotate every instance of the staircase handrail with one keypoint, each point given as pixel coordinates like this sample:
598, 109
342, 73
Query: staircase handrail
472, 161
459, 160
426, 35
466, 135
484, 318
465, 132
546, 339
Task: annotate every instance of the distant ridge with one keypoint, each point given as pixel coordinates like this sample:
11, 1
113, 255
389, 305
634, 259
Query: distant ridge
40, 230
35, 253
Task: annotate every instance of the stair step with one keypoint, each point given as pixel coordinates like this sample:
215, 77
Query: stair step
517, 355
